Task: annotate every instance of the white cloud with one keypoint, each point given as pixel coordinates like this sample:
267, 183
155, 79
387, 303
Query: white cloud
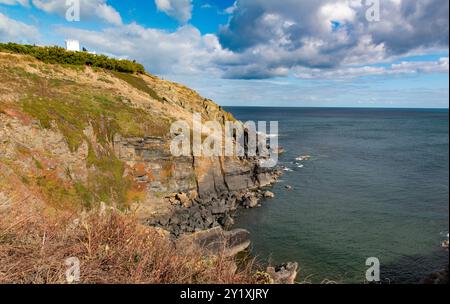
15, 2
185, 51
440, 66
163, 5
328, 34
405, 67
267, 39
180, 10
16, 31
88, 9
335, 12
109, 14
230, 10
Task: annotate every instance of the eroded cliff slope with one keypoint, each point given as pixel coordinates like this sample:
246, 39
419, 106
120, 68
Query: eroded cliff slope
74, 136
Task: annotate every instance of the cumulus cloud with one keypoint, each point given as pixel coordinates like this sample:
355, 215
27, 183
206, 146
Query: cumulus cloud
88, 8
13, 30
404, 67
407, 25
185, 51
108, 13
180, 10
277, 36
265, 38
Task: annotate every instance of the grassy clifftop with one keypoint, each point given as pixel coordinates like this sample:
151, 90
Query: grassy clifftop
54, 54
61, 111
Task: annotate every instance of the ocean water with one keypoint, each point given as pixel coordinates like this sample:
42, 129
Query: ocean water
376, 186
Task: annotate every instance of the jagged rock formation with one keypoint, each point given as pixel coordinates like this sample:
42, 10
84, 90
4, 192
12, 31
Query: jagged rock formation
216, 241
72, 137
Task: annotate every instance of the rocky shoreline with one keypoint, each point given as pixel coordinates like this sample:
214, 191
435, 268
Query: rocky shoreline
193, 213
121, 156
207, 222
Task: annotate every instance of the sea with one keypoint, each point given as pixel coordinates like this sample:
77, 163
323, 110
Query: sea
376, 185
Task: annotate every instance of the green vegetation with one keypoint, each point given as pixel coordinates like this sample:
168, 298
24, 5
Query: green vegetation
107, 116
59, 195
106, 80
20, 72
59, 55
107, 182
38, 164
139, 84
72, 109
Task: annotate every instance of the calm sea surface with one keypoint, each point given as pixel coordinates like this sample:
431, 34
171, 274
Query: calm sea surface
376, 186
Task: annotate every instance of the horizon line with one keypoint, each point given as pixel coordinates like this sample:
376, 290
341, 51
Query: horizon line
339, 107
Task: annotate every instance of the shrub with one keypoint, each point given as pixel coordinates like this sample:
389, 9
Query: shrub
55, 54
111, 248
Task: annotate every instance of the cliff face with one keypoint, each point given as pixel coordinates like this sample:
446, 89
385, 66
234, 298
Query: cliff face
72, 137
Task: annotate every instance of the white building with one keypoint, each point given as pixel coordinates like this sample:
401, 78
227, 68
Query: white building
73, 45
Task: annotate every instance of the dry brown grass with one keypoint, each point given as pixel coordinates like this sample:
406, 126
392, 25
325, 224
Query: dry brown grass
112, 248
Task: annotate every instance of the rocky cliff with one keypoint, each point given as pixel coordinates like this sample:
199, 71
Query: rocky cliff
74, 136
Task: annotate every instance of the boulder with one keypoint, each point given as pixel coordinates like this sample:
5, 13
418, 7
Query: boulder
226, 221
269, 194
439, 277
215, 241
193, 194
283, 274
219, 207
174, 201
280, 150
184, 199
251, 202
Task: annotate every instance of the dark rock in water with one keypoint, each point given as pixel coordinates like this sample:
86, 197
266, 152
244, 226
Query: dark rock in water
269, 194
440, 277
280, 150
251, 202
216, 241
210, 207
283, 274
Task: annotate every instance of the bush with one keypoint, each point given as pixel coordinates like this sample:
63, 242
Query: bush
112, 248
54, 54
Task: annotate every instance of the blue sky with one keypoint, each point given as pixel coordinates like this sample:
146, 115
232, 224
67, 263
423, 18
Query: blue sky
262, 52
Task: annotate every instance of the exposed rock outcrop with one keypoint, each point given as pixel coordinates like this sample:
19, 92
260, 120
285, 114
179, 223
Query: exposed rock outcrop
217, 241
205, 213
76, 136
269, 194
283, 274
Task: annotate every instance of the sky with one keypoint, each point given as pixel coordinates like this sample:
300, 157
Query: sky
314, 53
